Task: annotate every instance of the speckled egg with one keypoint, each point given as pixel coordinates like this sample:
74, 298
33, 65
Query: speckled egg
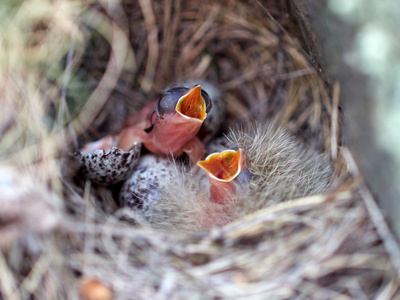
106, 167
143, 190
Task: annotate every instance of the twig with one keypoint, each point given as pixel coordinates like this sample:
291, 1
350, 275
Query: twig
63, 109
334, 120
115, 65
38, 271
7, 282
294, 74
152, 41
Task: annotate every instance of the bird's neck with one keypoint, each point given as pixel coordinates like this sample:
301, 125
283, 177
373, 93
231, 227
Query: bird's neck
222, 192
170, 134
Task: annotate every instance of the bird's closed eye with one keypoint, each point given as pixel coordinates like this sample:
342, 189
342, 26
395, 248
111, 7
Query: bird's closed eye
152, 120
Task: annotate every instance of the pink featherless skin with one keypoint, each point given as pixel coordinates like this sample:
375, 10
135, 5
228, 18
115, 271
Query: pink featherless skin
167, 126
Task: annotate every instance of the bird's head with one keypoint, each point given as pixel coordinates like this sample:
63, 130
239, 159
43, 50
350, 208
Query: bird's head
177, 118
222, 168
191, 104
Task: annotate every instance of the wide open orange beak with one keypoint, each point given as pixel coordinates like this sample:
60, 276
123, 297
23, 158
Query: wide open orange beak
192, 105
224, 166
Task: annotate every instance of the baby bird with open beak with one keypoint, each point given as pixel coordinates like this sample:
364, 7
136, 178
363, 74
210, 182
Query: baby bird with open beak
167, 126
270, 166
173, 123
216, 116
222, 169
195, 204
170, 196
145, 191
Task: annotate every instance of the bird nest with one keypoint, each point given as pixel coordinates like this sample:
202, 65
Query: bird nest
73, 71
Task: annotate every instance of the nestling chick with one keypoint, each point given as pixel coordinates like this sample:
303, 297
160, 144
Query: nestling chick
167, 126
147, 193
175, 121
222, 168
281, 169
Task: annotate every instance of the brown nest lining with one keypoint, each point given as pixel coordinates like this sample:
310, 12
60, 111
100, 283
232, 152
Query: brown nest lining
320, 247
261, 70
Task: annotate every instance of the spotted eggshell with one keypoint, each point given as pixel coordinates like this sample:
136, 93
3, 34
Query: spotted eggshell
142, 191
108, 167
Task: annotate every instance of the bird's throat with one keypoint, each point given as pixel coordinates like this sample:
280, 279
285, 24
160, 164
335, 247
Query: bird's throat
170, 134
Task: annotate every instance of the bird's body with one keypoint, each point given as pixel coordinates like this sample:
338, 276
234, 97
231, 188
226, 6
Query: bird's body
174, 122
277, 168
167, 126
222, 169
281, 167
171, 196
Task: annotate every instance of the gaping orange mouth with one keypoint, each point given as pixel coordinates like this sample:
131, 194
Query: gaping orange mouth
192, 105
224, 166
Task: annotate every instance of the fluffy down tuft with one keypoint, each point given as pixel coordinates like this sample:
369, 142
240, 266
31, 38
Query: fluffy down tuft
277, 169
281, 168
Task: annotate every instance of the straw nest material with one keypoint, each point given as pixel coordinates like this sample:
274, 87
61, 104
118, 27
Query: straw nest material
73, 71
